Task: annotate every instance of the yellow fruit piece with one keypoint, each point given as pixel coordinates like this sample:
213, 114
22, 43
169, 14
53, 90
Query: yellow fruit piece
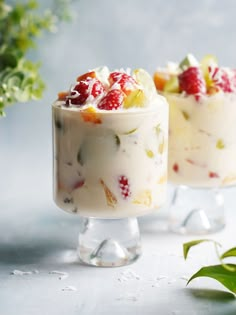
158, 129
206, 62
185, 114
146, 81
220, 144
172, 85
161, 147
160, 79
150, 153
110, 197
229, 180
163, 179
143, 198
135, 98
211, 90
90, 115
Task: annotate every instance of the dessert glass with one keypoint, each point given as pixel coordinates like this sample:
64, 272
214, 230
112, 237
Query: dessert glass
109, 168
202, 159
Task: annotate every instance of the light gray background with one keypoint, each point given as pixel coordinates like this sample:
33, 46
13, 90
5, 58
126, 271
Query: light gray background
34, 233
125, 33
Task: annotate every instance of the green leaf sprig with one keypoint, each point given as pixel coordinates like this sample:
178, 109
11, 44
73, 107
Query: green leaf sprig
20, 25
225, 273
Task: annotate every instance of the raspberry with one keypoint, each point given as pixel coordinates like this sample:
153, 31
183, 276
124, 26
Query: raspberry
192, 81
175, 167
124, 187
113, 100
213, 175
126, 82
83, 89
221, 79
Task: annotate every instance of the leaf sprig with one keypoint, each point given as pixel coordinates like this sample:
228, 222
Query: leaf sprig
225, 273
20, 25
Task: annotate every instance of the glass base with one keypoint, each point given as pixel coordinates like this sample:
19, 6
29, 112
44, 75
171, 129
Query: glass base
108, 242
196, 211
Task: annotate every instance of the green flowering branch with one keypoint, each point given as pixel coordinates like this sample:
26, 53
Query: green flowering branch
20, 25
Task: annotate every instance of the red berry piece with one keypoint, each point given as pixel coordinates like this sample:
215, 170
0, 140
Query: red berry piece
85, 88
192, 82
113, 100
175, 167
124, 187
222, 79
126, 82
213, 175
79, 184
233, 80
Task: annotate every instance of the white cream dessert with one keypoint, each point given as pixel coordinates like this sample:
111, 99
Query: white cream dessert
202, 128
110, 145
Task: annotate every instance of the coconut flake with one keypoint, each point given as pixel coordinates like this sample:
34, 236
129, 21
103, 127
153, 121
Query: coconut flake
17, 272
69, 288
128, 275
62, 275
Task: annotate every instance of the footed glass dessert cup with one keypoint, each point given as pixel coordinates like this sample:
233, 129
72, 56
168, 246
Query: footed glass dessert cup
110, 166
202, 155
202, 141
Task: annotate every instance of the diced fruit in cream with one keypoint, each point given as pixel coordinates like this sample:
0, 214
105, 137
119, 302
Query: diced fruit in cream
113, 100
202, 148
125, 81
188, 61
110, 197
160, 79
85, 76
145, 80
172, 85
83, 89
192, 82
136, 98
196, 78
110, 149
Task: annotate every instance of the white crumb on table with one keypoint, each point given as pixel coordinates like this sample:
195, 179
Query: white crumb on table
62, 275
17, 272
132, 298
128, 275
69, 288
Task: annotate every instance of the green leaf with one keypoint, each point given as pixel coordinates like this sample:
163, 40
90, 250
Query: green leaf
130, 131
229, 253
117, 139
185, 114
80, 156
221, 274
7, 60
187, 246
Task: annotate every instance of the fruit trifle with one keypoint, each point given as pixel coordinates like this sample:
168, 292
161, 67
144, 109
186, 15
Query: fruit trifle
202, 134
110, 145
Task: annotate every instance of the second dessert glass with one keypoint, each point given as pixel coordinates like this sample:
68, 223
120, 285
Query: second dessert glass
110, 167
202, 143
202, 160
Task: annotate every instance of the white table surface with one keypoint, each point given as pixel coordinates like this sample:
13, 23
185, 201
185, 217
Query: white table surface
36, 236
